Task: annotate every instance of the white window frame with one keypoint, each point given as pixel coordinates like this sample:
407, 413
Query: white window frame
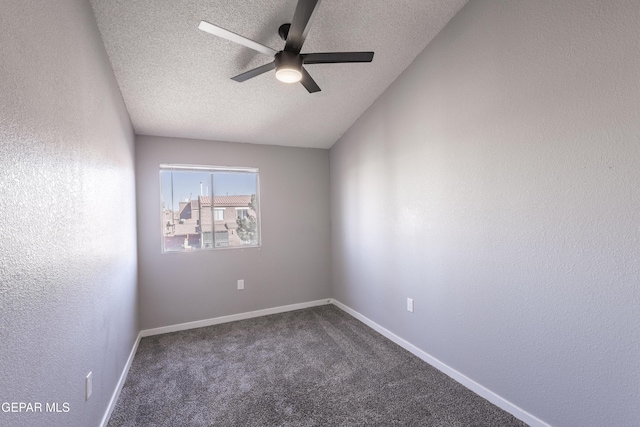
218, 210
206, 168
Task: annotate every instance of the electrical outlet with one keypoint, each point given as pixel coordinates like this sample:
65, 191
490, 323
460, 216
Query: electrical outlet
410, 304
240, 284
88, 386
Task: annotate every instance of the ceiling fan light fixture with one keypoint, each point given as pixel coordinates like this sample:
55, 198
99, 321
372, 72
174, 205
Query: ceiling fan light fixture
288, 67
288, 75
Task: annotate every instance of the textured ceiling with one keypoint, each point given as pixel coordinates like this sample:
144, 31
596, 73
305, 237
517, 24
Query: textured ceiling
176, 79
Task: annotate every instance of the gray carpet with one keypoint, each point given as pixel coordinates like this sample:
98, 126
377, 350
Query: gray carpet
312, 367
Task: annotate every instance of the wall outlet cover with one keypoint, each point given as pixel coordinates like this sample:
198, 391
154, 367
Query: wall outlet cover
410, 304
88, 385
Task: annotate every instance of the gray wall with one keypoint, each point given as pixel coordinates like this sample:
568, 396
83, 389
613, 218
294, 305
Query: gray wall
496, 182
293, 264
68, 298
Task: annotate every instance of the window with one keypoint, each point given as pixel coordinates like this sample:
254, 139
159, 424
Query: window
194, 200
242, 213
222, 238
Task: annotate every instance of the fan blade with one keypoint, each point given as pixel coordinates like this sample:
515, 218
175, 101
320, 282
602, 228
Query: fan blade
255, 72
300, 25
236, 38
336, 57
308, 82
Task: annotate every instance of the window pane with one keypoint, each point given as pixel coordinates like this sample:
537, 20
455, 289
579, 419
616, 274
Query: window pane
242, 213
222, 238
236, 194
186, 210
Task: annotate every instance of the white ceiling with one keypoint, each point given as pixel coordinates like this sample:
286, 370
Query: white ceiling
176, 79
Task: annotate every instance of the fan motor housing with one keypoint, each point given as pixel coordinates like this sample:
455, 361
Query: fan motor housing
286, 59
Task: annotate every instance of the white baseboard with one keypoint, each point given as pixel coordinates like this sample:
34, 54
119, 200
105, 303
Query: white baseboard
120, 384
232, 317
477, 388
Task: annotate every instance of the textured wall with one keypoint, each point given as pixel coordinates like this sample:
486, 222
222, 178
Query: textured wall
68, 298
291, 266
496, 182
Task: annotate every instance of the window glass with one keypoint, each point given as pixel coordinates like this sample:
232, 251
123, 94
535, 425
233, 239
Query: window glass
242, 213
237, 191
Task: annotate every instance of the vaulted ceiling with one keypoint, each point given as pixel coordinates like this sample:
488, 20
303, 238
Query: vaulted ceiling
176, 79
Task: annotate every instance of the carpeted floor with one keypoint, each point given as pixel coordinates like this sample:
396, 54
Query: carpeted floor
312, 367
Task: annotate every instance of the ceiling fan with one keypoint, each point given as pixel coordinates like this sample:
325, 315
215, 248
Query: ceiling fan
289, 62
